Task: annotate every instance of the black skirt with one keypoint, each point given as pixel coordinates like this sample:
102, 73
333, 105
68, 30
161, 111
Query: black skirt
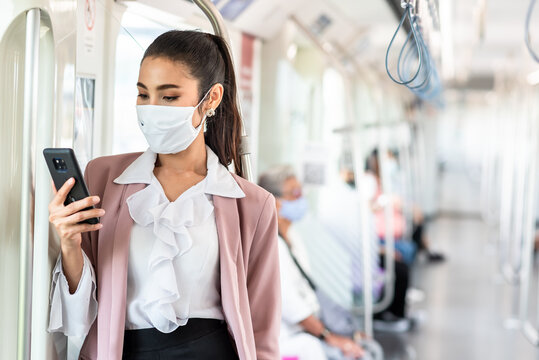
199, 339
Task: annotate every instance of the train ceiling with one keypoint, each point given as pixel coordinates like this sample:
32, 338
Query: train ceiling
478, 37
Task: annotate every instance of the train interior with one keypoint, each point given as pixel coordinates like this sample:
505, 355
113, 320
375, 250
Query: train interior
425, 108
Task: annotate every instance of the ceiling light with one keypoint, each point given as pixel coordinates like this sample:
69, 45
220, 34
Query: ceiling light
292, 52
533, 78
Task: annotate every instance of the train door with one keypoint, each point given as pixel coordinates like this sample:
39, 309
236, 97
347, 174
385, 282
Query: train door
27, 65
36, 67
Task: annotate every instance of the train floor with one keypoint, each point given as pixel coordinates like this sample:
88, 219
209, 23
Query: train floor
466, 305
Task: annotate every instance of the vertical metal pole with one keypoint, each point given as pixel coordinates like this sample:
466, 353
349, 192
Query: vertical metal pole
526, 274
490, 192
388, 209
506, 195
509, 218
415, 176
484, 190
31, 66
366, 234
42, 190
404, 158
515, 246
421, 163
520, 199
370, 307
219, 28
365, 220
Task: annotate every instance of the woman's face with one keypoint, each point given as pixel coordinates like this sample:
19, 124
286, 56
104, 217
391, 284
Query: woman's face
162, 81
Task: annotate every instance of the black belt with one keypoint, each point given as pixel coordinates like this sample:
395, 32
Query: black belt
153, 339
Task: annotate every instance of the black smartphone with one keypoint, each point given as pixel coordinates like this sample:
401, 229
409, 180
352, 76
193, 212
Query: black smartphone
63, 165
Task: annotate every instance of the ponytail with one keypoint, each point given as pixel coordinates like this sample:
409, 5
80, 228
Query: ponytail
223, 131
208, 58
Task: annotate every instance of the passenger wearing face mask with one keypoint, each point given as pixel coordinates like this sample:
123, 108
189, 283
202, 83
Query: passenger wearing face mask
184, 264
303, 334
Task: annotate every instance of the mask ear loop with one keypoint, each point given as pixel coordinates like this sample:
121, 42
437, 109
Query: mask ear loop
206, 114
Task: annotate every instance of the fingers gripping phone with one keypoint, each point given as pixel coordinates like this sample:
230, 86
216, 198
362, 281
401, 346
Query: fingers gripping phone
63, 165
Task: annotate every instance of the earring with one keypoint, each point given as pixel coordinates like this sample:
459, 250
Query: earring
210, 112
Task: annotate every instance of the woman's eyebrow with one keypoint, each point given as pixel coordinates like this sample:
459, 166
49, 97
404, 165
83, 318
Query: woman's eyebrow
167, 86
160, 87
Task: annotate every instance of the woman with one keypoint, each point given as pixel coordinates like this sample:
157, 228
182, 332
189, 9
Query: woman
405, 250
185, 261
303, 334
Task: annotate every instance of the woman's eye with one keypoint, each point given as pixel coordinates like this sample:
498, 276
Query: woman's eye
143, 96
170, 98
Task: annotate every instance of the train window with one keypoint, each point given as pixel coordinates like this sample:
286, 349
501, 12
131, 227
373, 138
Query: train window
135, 36
334, 96
335, 112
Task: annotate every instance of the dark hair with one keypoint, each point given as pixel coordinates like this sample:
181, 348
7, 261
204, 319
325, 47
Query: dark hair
208, 59
372, 163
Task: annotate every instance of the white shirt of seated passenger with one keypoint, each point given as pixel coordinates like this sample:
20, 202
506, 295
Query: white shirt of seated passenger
180, 277
299, 301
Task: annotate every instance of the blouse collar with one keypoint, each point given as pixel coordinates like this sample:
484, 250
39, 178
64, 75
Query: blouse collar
219, 181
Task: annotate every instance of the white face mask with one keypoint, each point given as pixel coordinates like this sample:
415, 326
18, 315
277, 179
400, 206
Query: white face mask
168, 129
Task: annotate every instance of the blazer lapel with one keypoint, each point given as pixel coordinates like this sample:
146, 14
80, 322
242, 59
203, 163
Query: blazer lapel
114, 255
228, 228
229, 234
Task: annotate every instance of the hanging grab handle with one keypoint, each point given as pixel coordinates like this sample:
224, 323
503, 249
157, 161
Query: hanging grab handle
407, 13
527, 31
404, 61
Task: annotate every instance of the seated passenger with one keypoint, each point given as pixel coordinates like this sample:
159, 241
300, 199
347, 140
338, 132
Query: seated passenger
303, 334
406, 250
339, 211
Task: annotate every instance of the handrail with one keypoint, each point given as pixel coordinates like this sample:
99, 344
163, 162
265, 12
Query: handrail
215, 18
31, 66
219, 28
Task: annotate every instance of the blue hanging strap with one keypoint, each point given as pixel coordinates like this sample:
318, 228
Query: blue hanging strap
427, 64
527, 31
425, 67
407, 13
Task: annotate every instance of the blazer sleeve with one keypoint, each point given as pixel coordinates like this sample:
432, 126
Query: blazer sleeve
89, 238
263, 283
74, 314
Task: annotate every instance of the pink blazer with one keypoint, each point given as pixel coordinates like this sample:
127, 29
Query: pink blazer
250, 285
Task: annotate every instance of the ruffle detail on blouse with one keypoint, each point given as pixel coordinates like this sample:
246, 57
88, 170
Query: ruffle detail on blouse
170, 222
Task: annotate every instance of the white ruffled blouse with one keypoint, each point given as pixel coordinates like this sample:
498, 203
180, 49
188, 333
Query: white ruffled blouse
173, 271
